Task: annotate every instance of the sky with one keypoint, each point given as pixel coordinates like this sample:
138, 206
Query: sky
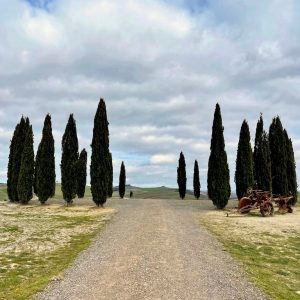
160, 65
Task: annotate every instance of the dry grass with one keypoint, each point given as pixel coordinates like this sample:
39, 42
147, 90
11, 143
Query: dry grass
269, 248
38, 242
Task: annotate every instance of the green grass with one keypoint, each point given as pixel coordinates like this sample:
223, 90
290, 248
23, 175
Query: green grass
141, 193
272, 261
33, 273
158, 193
22, 272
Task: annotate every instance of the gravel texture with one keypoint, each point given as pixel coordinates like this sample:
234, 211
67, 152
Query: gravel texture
154, 249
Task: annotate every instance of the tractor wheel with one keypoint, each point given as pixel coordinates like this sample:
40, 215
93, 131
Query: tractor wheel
267, 209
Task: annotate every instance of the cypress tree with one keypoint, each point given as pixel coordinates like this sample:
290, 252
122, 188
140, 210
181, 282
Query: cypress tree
263, 164
218, 186
257, 144
181, 176
36, 164
196, 181
45, 164
100, 155
14, 164
10, 167
291, 169
110, 175
25, 179
244, 162
81, 173
122, 180
69, 160
278, 150
262, 158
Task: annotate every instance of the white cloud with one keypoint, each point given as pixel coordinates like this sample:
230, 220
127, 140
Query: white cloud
163, 158
160, 67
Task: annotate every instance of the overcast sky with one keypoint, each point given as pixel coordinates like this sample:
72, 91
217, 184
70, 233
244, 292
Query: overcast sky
160, 66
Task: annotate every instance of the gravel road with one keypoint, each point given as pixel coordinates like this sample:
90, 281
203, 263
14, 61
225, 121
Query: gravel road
153, 249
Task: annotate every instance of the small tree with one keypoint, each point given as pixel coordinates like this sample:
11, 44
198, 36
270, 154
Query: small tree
244, 163
181, 176
81, 173
25, 179
45, 164
218, 185
278, 158
69, 160
122, 180
196, 180
291, 168
110, 176
100, 155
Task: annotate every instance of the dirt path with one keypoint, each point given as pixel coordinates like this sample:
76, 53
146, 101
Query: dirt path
153, 249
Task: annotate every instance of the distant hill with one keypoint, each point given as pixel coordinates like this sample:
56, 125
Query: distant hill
138, 192
157, 192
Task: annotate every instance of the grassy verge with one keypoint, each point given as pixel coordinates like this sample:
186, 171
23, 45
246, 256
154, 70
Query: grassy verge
268, 248
37, 243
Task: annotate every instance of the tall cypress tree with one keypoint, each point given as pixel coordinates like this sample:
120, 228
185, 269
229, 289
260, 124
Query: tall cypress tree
257, 142
196, 181
100, 156
122, 180
69, 160
244, 162
81, 173
262, 158
218, 186
11, 163
36, 164
110, 176
278, 158
15, 158
263, 164
181, 176
291, 168
25, 179
45, 164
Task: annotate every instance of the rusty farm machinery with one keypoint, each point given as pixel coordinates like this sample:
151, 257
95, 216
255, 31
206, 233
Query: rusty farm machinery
263, 201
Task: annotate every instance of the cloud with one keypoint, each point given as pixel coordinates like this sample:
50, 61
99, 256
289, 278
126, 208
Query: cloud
160, 65
163, 159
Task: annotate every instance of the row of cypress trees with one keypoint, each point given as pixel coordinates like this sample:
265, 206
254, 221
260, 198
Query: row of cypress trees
272, 166
26, 174
181, 177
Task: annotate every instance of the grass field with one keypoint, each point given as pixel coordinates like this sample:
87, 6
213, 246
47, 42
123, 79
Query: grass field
36, 238
38, 242
158, 193
268, 248
141, 193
